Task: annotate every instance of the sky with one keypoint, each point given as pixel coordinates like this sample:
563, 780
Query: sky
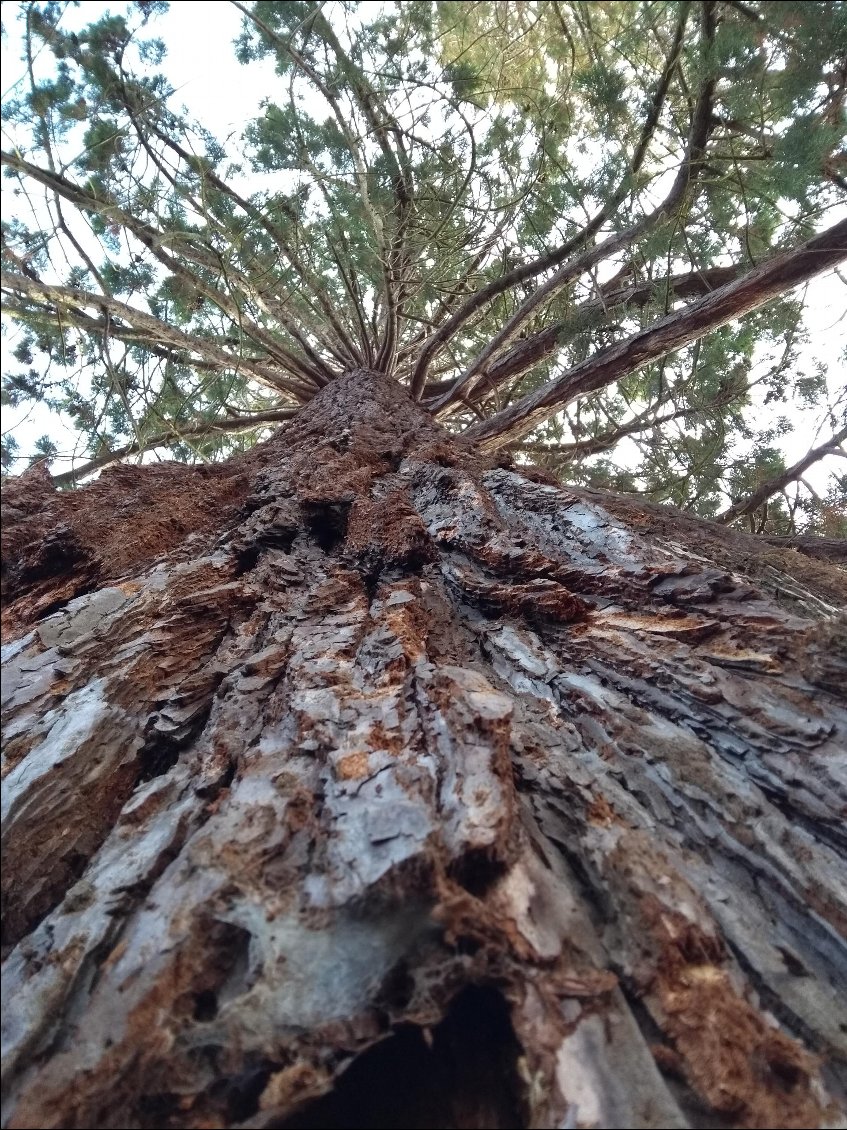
224, 95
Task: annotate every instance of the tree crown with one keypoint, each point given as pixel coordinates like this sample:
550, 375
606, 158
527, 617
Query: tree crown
571, 229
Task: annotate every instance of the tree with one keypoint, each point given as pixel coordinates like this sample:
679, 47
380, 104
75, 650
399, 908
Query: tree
368, 776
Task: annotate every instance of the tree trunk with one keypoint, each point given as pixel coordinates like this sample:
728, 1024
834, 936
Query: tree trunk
362, 782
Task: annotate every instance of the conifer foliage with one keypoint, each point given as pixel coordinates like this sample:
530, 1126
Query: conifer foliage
575, 231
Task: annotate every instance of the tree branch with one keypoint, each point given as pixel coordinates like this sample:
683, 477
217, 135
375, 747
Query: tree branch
155, 242
354, 148
535, 348
755, 289
791, 474
687, 175
553, 258
278, 237
231, 425
72, 298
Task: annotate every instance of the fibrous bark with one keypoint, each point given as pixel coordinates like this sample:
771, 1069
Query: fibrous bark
362, 782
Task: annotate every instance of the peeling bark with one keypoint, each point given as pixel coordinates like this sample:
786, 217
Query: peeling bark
362, 782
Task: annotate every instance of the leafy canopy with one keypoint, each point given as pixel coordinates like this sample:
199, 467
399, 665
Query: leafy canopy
479, 198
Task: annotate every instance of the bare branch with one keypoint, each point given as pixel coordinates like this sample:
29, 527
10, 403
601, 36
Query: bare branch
175, 434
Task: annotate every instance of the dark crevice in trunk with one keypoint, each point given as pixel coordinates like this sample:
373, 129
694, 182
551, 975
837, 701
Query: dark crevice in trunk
161, 750
477, 871
396, 990
462, 1073
213, 790
47, 610
15, 926
223, 970
595, 898
327, 523
833, 832
243, 1093
158, 756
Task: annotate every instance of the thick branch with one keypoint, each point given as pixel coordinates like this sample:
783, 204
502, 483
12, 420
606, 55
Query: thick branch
728, 303
279, 238
155, 242
580, 449
354, 148
779, 482
382, 124
825, 549
528, 352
